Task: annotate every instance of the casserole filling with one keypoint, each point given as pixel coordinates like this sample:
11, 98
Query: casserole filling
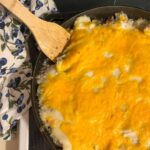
97, 95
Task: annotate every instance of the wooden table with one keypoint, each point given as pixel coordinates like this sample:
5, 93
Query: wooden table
9, 145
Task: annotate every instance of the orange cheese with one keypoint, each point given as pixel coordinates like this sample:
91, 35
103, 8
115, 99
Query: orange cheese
102, 89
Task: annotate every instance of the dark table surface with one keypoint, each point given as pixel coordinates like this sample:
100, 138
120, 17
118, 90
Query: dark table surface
36, 142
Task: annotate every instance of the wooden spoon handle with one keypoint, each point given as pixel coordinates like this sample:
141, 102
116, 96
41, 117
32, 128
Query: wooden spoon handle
20, 11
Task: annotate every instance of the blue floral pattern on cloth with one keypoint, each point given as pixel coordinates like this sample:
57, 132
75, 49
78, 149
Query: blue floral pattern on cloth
15, 66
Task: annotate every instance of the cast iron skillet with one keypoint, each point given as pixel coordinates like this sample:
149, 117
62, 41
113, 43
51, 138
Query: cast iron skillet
98, 13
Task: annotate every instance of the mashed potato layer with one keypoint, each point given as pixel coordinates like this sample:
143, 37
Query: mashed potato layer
100, 88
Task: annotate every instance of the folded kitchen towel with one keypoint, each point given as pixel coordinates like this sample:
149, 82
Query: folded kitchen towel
15, 66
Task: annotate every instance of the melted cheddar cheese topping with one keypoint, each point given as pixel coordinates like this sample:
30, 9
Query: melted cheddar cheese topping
101, 87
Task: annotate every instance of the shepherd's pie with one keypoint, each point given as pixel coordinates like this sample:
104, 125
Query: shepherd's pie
97, 95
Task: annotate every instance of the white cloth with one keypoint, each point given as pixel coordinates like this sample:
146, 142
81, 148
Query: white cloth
15, 66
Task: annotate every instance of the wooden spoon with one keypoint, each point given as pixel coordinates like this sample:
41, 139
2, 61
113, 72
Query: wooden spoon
50, 37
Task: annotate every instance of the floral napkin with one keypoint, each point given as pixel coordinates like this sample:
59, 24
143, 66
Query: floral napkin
15, 66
